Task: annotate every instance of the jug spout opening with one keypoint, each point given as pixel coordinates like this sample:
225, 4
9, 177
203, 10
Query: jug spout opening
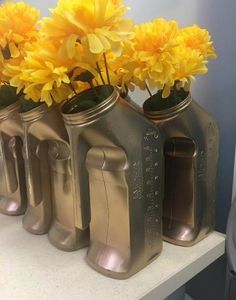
7, 111
158, 108
90, 105
32, 112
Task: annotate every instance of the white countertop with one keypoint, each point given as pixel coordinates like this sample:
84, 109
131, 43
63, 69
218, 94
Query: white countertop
32, 269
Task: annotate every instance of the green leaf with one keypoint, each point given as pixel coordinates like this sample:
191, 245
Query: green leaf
157, 103
85, 77
87, 99
27, 105
8, 96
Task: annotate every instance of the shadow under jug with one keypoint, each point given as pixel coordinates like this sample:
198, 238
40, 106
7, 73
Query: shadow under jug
42, 125
191, 142
13, 198
117, 168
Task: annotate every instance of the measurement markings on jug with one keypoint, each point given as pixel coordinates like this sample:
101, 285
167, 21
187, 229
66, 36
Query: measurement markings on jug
151, 187
137, 181
202, 166
211, 136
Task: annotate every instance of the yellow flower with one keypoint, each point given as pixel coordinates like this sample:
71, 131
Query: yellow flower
97, 24
197, 38
121, 72
152, 52
44, 74
190, 63
17, 26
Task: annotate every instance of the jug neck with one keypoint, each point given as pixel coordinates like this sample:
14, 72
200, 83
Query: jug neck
36, 113
74, 115
166, 114
7, 111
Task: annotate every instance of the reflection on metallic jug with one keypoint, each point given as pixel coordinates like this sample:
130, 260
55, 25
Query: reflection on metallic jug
117, 165
13, 199
41, 125
63, 233
191, 142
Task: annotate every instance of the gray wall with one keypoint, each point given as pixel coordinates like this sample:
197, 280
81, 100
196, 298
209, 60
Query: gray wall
214, 91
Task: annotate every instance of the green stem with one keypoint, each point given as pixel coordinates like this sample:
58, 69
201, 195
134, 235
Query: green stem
149, 92
106, 66
100, 73
93, 88
126, 90
72, 87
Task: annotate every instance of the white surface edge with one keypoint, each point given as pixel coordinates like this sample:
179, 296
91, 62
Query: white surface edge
187, 273
30, 268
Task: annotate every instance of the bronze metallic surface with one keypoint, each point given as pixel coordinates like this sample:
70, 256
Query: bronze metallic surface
64, 234
49, 184
117, 165
191, 150
13, 198
41, 125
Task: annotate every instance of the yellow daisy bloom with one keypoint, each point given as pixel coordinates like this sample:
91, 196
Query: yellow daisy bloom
97, 24
197, 38
152, 51
18, 23
121, 72
190, 63
44, 74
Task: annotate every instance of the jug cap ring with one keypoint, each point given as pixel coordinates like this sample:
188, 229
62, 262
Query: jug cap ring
8, 110
73, 115
35, 113
169, 113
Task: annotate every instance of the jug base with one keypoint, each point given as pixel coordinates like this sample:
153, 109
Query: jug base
68, 240
35, 221
108, 262
11, 207
183, 235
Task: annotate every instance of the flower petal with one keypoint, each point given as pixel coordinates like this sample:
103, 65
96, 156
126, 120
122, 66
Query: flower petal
95, 45
14, 50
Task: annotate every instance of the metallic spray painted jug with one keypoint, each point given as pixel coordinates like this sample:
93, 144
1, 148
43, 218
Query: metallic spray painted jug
117, 164
191, 141
64, 232
49, 182
13, 199
41, 125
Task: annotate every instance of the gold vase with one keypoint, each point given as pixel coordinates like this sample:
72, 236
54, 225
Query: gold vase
117, 165
41, 125
191, 150
13, 199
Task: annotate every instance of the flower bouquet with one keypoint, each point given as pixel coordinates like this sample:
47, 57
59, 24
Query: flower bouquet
100, 158
18, 29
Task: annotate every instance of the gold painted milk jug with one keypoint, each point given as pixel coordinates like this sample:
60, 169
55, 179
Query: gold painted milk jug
41, 125
49, 184
117, 165
191, 142
13, 198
